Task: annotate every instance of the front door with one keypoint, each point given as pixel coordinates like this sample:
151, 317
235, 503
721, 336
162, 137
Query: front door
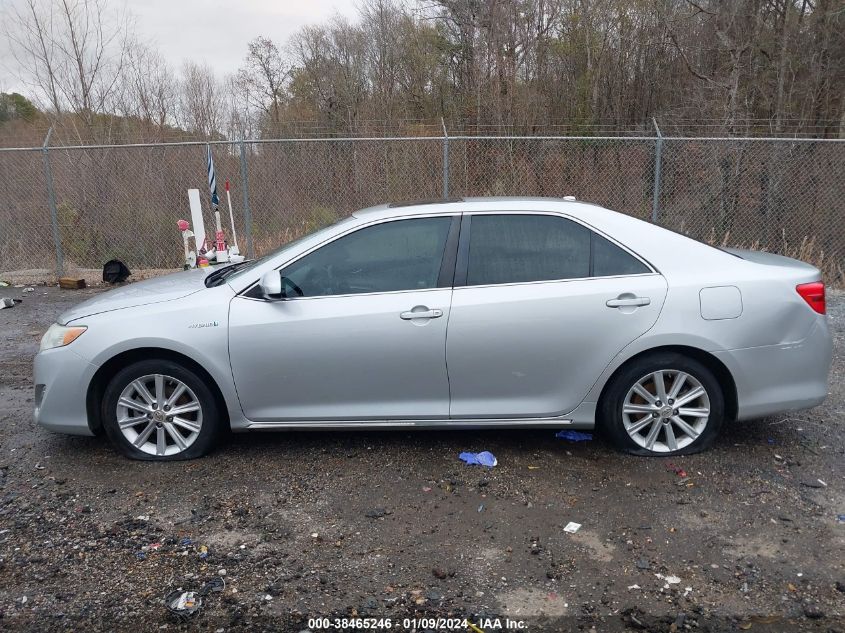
362, 335
541, 306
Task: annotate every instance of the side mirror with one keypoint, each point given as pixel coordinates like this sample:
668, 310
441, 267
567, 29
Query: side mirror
271, 285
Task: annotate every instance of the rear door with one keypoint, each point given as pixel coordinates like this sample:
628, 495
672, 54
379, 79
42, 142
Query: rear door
541, 305
362, 335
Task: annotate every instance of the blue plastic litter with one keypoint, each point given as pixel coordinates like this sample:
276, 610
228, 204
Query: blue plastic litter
574, 436
840, 518
484, 458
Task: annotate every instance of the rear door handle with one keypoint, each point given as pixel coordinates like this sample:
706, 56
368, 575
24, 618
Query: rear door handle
632, 301
422, 314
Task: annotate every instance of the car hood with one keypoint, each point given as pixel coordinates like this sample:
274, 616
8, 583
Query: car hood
167, 288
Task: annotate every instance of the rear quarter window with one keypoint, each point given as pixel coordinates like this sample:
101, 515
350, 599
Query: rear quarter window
610, 260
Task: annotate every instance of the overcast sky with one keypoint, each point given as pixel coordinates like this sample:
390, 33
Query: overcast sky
211, 31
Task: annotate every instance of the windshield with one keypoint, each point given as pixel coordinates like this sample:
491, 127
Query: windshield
243, 269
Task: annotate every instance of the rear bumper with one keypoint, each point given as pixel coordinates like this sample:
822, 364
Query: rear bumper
780, 378
61, 385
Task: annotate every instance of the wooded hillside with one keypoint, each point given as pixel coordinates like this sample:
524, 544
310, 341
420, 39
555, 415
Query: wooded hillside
701, 67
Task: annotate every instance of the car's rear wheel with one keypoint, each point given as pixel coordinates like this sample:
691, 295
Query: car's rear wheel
160, 410
662, 404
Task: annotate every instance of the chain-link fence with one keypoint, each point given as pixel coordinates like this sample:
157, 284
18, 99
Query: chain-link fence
70, 208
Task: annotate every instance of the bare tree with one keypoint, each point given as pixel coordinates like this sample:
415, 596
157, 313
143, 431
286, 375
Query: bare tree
149, 89
202, 106
262, 80
72, 52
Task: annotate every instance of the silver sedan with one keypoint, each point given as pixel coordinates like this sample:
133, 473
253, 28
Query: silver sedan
475, 313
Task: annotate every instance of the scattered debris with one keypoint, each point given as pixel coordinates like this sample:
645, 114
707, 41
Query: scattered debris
71, 283
572, 527
5, 302
809, 483
484, 458
840, 518
680, 472
643, 564
183, 603
213, 585
632, 587
203, 552
670, 580
574, 436
30, 289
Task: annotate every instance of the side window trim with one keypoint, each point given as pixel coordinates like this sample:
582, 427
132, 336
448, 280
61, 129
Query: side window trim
446, 278
462, 265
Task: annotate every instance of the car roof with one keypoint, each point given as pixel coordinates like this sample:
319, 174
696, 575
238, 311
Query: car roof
461, 205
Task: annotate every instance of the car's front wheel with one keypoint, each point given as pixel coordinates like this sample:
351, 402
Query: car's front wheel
160, 410
662, 404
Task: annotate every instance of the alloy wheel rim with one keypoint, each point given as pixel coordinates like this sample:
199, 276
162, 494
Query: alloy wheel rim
666, 410
159, 415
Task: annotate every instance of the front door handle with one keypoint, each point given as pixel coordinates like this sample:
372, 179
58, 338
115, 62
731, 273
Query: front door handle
628, 302
421, 312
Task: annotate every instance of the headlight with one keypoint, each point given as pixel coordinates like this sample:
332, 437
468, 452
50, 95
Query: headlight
60, 335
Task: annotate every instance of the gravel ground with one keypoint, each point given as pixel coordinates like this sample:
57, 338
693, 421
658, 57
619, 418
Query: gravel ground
393, 525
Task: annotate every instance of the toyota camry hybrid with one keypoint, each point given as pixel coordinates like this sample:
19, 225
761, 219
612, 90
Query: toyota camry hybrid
473, 313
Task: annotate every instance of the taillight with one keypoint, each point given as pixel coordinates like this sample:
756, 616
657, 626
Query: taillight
813, 294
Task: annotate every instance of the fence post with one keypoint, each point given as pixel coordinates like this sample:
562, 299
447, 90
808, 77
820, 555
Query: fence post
51, 202
250, 249
658, 163
445, 159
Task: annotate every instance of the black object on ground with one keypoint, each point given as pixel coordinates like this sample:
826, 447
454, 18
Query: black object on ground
115, 271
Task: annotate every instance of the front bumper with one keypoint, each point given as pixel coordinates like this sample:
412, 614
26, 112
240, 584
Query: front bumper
779, 378
61, 385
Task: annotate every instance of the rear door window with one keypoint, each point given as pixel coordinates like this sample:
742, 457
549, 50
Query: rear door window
518, 248
514, 248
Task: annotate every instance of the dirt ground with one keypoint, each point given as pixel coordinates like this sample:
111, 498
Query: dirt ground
392, 525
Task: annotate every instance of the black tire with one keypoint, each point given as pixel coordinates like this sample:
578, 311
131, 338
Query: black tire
211, 424
610, 411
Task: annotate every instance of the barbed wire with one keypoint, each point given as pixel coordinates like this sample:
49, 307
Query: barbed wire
32, 136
